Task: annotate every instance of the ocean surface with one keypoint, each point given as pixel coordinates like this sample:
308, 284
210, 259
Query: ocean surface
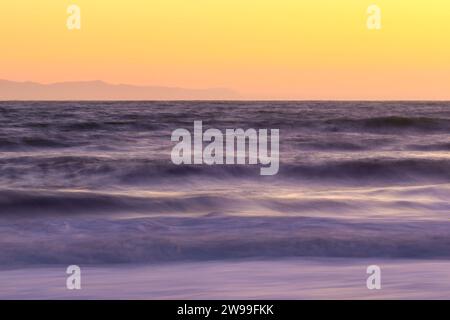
92, 184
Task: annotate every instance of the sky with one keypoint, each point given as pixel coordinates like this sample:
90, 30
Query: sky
264, 49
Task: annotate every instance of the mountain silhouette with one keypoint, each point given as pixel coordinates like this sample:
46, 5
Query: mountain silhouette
99, 90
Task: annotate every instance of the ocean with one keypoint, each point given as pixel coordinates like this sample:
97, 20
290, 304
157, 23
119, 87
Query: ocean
92, 184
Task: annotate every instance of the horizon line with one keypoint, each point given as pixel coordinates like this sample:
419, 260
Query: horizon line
238, 95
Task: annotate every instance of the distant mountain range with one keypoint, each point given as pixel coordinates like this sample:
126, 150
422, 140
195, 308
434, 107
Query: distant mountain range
99, 90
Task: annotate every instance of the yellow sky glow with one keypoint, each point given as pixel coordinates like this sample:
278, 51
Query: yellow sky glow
265, 49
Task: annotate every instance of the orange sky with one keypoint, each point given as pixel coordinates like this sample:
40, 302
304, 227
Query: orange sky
265, 49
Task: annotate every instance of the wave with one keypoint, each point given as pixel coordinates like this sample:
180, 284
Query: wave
89, 172
384, 169
424, 201
116, 124
14, 143
333, 145
156, 240
39, 203
390, 123
430, 147
15, 203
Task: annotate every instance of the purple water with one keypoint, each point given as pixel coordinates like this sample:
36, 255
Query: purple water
91, 183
